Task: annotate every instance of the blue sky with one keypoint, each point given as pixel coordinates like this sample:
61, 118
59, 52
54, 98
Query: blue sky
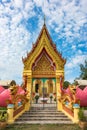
21, 22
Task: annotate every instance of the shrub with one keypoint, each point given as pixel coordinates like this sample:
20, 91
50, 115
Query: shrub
3, 115
81, 115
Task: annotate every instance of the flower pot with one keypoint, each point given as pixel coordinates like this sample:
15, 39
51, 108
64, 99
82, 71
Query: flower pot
44, 101
83, 124
2, 125
36, 101
50, 100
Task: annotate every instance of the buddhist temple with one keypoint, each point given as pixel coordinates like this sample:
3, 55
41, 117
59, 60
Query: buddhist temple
44, 65
43, 77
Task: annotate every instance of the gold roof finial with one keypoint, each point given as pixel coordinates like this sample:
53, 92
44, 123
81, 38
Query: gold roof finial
44, 19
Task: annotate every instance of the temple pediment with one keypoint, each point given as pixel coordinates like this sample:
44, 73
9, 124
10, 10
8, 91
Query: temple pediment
43, 66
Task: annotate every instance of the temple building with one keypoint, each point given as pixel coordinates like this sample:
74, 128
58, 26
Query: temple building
43, 66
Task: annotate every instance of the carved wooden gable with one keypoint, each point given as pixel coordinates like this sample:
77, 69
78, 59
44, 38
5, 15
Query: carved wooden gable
43, 67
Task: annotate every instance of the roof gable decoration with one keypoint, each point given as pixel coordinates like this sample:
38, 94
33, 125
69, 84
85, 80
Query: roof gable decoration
44, 28
46, 57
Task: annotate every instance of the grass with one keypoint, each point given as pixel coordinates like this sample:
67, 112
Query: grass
3, 108
43, 127
83, 108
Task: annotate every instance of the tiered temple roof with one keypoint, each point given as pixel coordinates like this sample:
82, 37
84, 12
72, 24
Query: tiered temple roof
36, 44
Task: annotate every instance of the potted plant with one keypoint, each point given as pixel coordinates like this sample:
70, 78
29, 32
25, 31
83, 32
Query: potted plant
3, 119
51, 96
82, 119
37, 97
55, 99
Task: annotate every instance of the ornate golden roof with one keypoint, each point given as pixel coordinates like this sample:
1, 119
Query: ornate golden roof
37, 41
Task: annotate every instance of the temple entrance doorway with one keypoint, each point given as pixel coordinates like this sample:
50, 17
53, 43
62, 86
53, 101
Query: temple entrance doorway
44, 86
36, 87
45, 90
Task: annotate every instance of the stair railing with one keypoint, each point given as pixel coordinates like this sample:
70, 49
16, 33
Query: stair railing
17, 104
69, 104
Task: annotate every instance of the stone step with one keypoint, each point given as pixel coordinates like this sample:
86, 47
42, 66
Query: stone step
43, 107
42, 112
43, 118
41, 115
43, 122
51, 110
38, 115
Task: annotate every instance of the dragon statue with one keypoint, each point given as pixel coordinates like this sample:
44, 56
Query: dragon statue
68, 96
17, 94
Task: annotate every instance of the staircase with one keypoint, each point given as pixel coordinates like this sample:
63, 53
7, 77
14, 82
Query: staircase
48, 115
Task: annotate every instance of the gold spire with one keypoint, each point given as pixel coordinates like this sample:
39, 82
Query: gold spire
44, 19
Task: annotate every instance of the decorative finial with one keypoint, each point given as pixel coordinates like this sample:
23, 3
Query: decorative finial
44, 19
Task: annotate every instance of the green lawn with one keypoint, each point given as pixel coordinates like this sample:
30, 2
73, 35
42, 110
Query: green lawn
43, 127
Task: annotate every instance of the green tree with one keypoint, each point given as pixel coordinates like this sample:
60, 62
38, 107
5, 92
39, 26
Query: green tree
66, 84
83, 69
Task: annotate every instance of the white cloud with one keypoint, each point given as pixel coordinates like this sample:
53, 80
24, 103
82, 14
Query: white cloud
65, 13
76, 61
72, 68
73, 47
14, 39
83, 5
18, 3
81, 45
80, 52
39, 3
